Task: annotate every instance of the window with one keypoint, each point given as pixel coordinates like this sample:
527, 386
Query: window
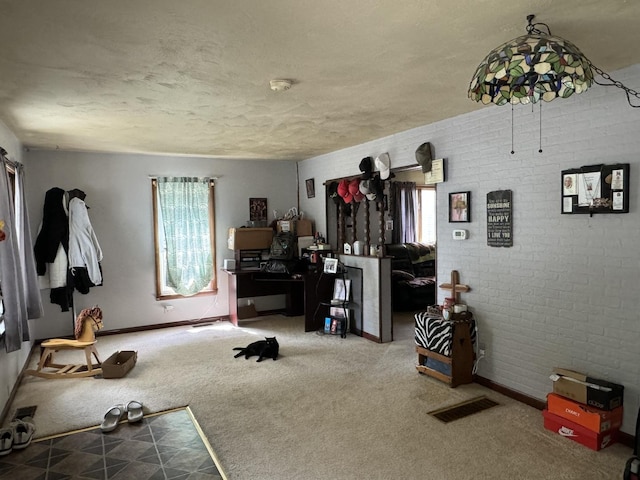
426, 215
184, 236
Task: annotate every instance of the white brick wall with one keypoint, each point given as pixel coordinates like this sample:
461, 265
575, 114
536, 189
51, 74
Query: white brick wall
566, 294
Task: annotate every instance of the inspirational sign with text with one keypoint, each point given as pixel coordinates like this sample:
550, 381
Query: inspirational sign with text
499, 219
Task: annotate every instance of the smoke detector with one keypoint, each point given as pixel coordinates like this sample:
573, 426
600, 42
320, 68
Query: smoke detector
280, 85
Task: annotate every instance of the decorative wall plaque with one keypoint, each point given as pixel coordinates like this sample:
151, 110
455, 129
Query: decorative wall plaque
499, 219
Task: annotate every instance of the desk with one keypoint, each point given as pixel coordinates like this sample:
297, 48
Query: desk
249, 284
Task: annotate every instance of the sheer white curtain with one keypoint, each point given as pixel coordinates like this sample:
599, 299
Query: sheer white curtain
404, 212
18, 279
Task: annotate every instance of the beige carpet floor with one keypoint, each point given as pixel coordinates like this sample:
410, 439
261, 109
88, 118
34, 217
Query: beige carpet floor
328, 408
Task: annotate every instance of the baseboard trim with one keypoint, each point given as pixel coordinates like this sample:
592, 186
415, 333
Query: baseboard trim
623, 438
508, 392
371, 337
157, 326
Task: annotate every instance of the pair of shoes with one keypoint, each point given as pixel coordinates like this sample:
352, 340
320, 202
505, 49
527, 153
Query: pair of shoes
23, 430
17, 436
133, 411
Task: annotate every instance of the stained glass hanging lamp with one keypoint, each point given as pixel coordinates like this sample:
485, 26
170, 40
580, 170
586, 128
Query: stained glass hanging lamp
531, 67
536, 66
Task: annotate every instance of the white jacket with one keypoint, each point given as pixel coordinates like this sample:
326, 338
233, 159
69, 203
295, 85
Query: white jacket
84, 249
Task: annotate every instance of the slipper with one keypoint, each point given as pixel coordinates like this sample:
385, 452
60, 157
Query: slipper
112, 418
6, 441
134, 411
23, 431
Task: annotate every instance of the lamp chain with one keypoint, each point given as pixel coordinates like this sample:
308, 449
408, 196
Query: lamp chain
531, 28
614, 83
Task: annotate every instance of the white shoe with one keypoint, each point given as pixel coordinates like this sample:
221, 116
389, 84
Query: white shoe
112, 418
6, 441
23, 431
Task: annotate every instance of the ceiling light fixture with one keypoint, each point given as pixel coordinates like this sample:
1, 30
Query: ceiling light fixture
280, 85
529, 68
536, 66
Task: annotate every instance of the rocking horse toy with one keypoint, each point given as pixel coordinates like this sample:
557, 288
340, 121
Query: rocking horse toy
87, 323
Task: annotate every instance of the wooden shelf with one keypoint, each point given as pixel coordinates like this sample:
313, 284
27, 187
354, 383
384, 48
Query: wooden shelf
461, 360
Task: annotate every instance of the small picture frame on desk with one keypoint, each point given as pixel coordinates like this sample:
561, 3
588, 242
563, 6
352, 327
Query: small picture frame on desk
330, 265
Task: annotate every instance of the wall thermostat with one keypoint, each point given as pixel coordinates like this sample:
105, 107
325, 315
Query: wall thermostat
459, 234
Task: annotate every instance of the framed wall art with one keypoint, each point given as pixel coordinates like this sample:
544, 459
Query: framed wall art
459, 207
258, 209
311, 188
595, 189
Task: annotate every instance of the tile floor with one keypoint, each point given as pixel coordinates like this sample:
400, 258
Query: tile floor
163, 446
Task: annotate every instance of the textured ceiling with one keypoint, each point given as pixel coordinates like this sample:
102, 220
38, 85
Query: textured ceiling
192, 76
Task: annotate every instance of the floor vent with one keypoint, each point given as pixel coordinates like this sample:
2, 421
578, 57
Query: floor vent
23, 412
464, 409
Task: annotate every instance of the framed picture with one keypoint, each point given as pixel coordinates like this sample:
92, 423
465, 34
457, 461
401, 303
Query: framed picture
342, 290
311, 188
258, 209
330, 265
598, 188
460, 207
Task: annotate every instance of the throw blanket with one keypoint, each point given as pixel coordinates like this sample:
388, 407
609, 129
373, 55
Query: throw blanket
436, 334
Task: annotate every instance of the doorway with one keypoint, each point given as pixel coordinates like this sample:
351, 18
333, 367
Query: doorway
426, 234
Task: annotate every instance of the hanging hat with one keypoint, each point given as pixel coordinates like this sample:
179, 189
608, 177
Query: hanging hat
377, 188
366, 168
343, 191
354, 190
366, 187
354, 186
382, 165
332, 191
424, 157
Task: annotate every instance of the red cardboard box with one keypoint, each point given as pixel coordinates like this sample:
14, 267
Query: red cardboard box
591, 418
577, 433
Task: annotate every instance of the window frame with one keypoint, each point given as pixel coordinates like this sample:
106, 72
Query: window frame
161, 287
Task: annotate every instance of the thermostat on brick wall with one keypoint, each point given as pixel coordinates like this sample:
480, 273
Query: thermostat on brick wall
459, 234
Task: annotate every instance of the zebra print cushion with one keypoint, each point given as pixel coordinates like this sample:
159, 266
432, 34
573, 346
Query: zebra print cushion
436, 334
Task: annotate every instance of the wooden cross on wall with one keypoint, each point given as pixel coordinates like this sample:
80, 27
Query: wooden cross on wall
455, 287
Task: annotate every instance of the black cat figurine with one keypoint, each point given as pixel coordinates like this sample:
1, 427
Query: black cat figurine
267, 348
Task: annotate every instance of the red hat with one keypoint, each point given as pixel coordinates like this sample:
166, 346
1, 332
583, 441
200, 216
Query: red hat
354, 186
354, 190
343, 191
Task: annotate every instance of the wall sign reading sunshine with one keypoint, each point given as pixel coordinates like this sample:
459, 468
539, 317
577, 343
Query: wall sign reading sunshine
499, 219
596, 189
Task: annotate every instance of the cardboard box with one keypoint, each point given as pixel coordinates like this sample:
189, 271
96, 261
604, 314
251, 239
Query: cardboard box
590, 391
591, 418
304, 228
301, 228
286, 226
577, 433
250, 238
119, 364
